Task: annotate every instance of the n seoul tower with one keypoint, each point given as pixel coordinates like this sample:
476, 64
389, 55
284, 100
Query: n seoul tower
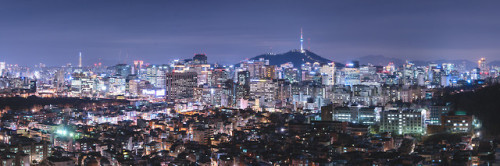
301, 42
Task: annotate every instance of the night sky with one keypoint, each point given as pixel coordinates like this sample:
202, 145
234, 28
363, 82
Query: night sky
54, 31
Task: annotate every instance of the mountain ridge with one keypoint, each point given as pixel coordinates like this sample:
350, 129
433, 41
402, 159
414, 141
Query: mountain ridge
296, 57
382, 60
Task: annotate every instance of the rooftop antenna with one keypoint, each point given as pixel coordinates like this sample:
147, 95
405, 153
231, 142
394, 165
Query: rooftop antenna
80, 60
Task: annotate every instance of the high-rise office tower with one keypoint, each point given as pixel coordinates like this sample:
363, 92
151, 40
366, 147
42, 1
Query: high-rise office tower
2, 68
180, 85
481, 64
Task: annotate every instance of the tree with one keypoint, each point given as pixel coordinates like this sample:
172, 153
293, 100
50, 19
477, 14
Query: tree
407, 146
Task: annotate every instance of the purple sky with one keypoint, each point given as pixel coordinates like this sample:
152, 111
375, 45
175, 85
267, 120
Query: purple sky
54, 31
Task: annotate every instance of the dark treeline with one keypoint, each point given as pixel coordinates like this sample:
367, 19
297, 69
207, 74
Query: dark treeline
484, 103
20, 103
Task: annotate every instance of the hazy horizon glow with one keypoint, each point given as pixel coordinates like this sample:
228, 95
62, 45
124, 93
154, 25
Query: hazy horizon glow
53, 32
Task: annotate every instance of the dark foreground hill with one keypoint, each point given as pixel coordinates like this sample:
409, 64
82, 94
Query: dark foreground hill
483, 103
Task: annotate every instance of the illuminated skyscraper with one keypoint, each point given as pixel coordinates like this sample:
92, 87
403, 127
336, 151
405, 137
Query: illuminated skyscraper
137, 67
180, 85
243, 78
328, 73
270, 72
481, 64
352, 75
2, 68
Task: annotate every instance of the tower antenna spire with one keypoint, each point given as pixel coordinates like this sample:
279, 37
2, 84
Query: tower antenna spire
80, 60
301, 41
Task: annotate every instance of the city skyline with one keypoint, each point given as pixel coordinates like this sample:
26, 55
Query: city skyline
113, 32
282, 82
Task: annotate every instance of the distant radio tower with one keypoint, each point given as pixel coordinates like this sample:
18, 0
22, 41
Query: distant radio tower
80, 60
301, 41
309, 44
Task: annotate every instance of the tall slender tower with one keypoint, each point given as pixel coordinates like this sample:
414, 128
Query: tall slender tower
80, 60
301, 41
